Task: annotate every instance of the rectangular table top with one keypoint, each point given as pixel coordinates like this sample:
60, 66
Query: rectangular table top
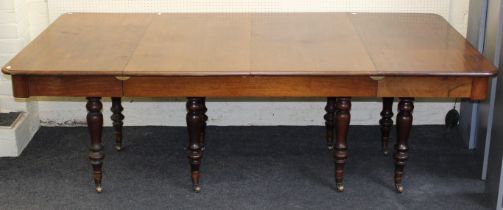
204, 44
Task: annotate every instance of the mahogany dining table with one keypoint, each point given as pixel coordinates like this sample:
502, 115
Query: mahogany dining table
198, 55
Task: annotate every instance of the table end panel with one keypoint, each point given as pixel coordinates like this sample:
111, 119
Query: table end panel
480, 87
20, 86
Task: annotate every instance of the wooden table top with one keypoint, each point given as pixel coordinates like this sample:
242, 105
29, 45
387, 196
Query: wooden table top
199, 44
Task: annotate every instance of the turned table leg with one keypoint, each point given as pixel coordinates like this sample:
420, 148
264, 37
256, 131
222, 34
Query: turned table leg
117, 119
403, 125
205, 119
330, 122
195, 125
95, 126
342, 117
386, 122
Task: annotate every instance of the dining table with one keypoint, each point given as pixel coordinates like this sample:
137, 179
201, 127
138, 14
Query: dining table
332, 55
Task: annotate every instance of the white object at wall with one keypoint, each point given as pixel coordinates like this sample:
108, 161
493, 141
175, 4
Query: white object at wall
20, 21
71, 111
14, 138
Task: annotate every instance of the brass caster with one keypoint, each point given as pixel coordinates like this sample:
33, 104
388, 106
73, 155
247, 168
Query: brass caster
330, 147
118, 148
197, 188
340, 187
99, 189
385, 152
399, 188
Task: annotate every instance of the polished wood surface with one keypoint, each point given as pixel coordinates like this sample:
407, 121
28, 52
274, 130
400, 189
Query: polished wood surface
83, 44
250, 44
415, 44
307, 44
194, 44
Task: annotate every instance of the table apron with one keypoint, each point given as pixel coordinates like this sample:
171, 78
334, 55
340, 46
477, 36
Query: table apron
474, 88
250, 86
71, 86
441, 87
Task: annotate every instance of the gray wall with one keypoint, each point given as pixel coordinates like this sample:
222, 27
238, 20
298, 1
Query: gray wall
490, 111
469, 110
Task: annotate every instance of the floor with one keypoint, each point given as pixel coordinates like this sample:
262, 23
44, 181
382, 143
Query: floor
243, 168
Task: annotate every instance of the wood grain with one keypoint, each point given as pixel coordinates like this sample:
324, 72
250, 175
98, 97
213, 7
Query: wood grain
480, 87
194, 44
83, 44
249, 86
307, 44
80, 86
20, 86
418, 44
250, 44
444, 87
